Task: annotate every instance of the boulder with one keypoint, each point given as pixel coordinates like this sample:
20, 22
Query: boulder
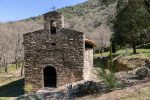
142, 72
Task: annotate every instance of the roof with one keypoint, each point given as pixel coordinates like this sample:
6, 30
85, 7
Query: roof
90, 42
34, 32
70, 31
53, 13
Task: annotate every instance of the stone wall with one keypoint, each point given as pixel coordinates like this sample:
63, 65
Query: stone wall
88, 64
64, 51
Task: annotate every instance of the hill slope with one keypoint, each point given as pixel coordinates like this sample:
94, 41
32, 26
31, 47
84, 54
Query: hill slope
93, 17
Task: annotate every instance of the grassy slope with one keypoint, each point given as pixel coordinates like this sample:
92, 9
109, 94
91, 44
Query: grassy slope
141, 94
87, 17
11, 84
142, 52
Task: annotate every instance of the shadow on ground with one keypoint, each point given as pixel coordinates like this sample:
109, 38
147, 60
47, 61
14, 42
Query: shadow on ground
13, 89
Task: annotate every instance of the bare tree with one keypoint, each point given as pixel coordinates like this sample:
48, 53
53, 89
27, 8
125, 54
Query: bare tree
11, 48
102, 37
18, 50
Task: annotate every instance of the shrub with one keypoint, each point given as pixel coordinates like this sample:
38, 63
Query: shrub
97, 23
108, 76
88, 87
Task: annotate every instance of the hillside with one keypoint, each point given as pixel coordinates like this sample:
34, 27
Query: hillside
93, 17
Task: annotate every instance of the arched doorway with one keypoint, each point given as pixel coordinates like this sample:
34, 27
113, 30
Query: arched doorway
50, 77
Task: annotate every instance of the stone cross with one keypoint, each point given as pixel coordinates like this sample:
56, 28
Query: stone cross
53, 8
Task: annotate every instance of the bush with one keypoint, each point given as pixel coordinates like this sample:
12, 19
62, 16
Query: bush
107, 2
88, 87
97, 23
108, 76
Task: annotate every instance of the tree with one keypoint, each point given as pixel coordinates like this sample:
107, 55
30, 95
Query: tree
3, 53
132, 21
18, 53
101, 36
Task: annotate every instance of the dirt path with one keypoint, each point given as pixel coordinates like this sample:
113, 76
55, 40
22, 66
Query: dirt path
137, 92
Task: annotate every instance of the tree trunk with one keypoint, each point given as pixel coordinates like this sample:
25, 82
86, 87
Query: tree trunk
22, 67
134, 49
6, 69
16, 64
101, 51
5, 66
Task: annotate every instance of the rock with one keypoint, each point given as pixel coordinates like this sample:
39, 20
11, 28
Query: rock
58, 96
88, 87
69, 94
142, 72
124, 63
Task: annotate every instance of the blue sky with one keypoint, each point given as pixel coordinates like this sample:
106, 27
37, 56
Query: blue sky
11, 10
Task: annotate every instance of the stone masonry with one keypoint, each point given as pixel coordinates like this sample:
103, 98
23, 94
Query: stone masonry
61, 49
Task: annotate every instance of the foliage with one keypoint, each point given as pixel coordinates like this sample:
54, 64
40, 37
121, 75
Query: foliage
97, 23
107, 2
109, 76
132, 23
145, 46
143, 52
28, 88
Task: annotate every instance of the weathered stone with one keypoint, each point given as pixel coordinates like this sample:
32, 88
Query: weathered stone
55, 55
142, 72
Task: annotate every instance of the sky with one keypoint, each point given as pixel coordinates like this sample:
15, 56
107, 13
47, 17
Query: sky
12, 10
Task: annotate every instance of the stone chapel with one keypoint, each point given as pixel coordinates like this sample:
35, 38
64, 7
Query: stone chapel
56, 56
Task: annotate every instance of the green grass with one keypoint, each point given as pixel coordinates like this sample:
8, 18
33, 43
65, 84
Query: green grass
11, 84
11, 67
5, 98
7, 77
142, 52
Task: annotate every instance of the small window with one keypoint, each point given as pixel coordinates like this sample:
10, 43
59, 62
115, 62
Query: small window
53, 44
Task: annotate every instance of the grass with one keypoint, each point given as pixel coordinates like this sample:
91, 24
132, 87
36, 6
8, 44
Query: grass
12, 74
11, 84
11, 67
142, 52
142, 94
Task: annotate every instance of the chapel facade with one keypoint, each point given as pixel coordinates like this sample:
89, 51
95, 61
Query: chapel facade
56, 56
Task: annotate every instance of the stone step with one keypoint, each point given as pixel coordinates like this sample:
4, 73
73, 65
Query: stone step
45, 90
